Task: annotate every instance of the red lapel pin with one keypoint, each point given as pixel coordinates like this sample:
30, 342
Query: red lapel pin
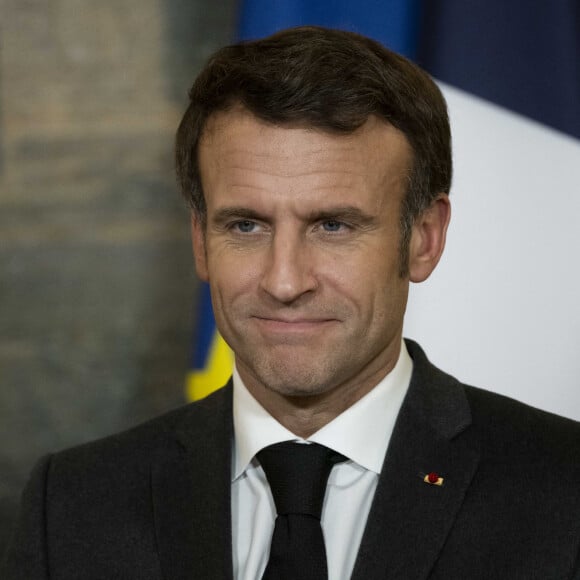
433, 478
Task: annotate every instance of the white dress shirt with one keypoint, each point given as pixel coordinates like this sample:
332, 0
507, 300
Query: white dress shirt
361, 433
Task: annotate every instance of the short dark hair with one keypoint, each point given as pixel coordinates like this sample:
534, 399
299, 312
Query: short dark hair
331, 80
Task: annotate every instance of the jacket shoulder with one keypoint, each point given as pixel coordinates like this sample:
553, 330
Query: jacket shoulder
505, 419
501, 428
130, 451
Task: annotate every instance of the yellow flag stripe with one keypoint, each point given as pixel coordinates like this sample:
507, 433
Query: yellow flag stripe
200, 383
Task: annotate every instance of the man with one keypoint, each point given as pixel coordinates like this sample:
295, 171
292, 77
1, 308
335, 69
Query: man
318, 167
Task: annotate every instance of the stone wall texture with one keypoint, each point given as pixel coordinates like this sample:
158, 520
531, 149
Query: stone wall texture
97, 288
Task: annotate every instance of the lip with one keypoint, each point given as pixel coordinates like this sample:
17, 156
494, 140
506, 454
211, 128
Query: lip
296, 325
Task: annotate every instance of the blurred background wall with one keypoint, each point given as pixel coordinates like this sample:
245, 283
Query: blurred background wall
96, 277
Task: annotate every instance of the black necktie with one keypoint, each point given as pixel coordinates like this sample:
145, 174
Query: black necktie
297, 474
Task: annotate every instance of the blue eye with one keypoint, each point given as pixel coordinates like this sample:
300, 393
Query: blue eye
245, 226
332, 225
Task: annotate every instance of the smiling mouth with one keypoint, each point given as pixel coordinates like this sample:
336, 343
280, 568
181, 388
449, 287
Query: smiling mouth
283, 325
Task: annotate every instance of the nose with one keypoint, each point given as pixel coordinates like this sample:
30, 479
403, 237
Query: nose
288, 270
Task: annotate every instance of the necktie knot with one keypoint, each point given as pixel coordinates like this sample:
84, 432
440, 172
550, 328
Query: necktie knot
298, 474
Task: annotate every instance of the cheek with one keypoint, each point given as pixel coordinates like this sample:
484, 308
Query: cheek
359, 275
232, 274
378, 291
357, 289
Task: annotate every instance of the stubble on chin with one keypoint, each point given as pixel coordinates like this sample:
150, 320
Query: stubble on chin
291, 377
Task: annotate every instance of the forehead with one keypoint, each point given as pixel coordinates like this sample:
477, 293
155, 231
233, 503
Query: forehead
238, 149
221, 126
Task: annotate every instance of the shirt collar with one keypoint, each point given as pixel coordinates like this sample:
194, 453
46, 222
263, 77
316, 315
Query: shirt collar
371, 418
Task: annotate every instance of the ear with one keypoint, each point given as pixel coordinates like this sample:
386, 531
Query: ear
428, 238
199, 249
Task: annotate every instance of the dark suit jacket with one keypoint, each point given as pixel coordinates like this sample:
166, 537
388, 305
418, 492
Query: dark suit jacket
154, 503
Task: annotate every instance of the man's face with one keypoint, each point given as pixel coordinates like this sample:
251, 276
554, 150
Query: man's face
301, 251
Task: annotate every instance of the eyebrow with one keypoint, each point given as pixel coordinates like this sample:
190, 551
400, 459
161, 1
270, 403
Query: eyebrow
239, 212
343, 212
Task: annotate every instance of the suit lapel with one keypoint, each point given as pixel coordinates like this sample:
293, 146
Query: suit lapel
410, 519
191, 488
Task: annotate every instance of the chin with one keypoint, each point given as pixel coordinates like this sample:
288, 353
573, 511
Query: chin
291, 372
294, 382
